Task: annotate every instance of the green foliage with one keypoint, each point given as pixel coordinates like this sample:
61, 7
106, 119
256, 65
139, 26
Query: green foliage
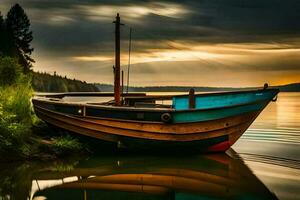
15, 181
15, 109
17, 137
7, 47
66, 145
1, 20
16, 99
10, 71
15, 117
15, 36
43, 82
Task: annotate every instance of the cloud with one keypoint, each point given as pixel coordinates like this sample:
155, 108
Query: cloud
132, 12
189, 39
92, 58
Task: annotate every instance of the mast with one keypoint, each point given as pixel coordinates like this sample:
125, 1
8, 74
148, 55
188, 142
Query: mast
117, 88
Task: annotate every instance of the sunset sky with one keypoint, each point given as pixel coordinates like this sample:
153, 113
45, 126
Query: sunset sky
233, 43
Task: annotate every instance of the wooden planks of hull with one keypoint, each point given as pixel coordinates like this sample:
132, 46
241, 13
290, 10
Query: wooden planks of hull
145, 139
167, 128
65, 121
186, 128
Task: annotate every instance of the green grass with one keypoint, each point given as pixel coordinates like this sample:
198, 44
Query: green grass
15, 112
66, 145
20, 134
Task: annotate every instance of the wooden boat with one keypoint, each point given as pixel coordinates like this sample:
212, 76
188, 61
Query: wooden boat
196, 122
216, 176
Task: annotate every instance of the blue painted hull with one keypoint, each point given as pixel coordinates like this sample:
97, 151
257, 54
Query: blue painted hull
212, 107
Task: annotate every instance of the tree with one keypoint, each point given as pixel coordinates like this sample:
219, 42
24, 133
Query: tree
10, 71
7, 47
1, 34
1, 21
18, 24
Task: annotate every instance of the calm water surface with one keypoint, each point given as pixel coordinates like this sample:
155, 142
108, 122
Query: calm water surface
263, 164
271, 146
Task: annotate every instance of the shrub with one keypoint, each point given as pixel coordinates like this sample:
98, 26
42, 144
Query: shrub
66, 145
17, 140
15, 110
15, 99
10, 71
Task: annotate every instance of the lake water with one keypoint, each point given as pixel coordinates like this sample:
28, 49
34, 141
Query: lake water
263, 164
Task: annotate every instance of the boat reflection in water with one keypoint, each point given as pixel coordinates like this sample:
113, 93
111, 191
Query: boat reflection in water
217, 176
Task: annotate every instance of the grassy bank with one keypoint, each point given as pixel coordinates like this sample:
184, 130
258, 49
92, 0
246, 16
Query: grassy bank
22, 135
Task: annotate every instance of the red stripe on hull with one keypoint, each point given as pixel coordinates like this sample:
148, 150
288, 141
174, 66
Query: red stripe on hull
220, 147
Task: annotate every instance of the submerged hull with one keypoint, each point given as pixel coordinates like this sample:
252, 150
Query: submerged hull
209, 129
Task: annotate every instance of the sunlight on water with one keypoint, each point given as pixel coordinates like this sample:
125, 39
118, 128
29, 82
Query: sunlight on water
271, 146
278, 125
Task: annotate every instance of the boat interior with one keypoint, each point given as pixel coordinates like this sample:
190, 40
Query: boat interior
139, 100
177, 101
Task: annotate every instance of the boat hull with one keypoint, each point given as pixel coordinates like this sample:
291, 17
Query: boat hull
209, 136
207, 130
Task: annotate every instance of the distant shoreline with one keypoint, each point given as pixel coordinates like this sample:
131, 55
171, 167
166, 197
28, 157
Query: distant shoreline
43, 82
294, 87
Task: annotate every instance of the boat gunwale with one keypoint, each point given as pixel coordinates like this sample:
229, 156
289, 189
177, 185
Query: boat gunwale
61, 95
205, 94
145, 96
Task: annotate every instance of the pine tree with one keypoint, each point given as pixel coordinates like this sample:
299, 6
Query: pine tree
1, 35
1, 18
1, 22
7, 44
18, 25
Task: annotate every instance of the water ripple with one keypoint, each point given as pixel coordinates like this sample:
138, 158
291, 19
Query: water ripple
273, 135
273, 160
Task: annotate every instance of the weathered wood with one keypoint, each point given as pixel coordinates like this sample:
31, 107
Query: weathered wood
138, 95
186, 128
122, 86
117, 62
85, 124
77, 129
196, 127
192, 103
235, 136
213, 122
86, 94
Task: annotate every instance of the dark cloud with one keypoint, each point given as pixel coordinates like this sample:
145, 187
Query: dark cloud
62, 24
70, 28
